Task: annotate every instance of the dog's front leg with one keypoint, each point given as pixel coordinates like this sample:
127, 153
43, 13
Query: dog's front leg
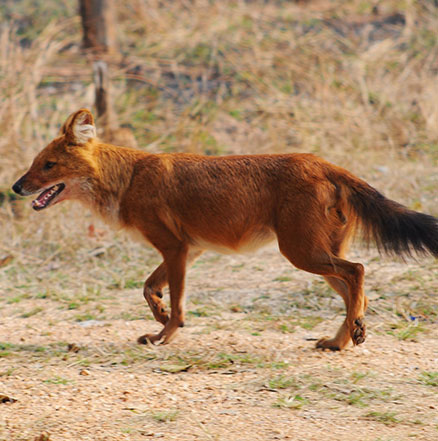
154, 285
153, 294
175, 267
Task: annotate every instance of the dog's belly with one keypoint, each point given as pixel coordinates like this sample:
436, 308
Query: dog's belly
246, 244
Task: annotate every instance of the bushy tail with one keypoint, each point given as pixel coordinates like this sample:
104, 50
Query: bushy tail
395, 229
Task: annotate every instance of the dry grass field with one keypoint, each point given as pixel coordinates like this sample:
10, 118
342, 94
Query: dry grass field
353, 81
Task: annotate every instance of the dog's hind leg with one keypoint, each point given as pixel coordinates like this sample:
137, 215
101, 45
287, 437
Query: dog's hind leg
342, 337
310, 248
347, 279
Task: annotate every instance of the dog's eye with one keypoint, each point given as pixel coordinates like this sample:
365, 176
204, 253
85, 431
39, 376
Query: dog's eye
48, 165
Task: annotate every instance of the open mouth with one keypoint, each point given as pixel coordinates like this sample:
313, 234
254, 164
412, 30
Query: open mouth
47, 197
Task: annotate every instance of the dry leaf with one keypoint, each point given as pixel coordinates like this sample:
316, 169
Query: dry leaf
42, 437
6, 260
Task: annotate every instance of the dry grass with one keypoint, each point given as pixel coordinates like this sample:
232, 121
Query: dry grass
220, 77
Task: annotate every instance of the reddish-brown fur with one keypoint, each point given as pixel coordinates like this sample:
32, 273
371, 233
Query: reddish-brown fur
184, 203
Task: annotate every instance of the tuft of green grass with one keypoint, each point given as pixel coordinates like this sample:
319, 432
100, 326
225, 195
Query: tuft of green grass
361, 397
410, 333
356, 377
165, 416
406, 331
16, 299
291, 402
73, 305
282, 279
85, 317
32, 312
286, 329
17, 348
223, 360
131, 356
429, 378
7, 373
133, 284
200, 312
57, 380
282, 382
309, 322
4, 349
276, 365
387, 418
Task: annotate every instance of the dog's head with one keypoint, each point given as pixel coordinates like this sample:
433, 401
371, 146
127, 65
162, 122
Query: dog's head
61, 170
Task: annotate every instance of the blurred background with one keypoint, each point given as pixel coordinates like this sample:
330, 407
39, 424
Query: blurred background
349, 80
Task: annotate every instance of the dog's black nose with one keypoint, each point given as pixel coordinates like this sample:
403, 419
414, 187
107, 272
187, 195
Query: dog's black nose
17, 187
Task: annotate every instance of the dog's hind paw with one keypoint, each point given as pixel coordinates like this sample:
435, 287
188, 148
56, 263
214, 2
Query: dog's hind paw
358, 333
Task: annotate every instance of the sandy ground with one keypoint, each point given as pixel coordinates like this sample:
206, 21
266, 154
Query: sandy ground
243, 368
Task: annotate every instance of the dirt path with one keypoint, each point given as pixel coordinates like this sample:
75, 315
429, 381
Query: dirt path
244, 367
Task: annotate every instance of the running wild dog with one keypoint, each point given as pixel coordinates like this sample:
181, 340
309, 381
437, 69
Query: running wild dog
183, 204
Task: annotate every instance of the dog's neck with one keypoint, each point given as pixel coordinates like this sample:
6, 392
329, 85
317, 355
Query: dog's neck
111, 178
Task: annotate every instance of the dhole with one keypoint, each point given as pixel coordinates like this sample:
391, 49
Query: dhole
185, 203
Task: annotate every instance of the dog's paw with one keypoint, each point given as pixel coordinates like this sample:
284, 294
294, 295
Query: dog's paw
146, 339
328, 343
358, 332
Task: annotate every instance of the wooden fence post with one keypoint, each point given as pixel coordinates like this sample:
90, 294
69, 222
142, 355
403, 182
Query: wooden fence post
99, 25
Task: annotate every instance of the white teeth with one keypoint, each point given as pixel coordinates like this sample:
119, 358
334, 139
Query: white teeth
42, 202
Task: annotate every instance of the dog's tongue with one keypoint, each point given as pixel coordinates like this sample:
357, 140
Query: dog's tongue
44, 198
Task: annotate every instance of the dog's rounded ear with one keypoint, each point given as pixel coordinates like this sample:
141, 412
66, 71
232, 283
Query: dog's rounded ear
79, 127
